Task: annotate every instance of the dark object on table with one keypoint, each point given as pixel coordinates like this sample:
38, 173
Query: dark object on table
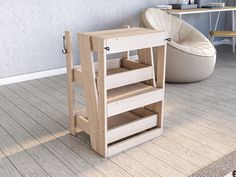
199, 3
211, 7
184, 6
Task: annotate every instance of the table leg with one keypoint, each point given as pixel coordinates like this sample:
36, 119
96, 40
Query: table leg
233, 29
180, 16
210, 22
217, 21
210, 28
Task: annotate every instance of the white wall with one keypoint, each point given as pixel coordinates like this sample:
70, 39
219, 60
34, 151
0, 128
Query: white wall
31, 30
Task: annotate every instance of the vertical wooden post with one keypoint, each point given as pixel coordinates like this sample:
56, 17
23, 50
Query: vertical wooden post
70, 82
102, 95
91, 94
161, 66
160, 75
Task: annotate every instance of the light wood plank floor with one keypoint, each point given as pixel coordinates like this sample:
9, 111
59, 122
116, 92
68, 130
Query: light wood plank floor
200, 127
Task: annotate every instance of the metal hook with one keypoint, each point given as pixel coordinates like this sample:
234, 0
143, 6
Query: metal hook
64, 51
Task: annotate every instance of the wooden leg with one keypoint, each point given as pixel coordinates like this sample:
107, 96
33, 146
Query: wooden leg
233, 29
161, 66
160, 83
159, 109
160, 75
70, 83
90, 88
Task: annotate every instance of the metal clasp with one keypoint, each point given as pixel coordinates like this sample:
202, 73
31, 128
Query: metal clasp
107, 48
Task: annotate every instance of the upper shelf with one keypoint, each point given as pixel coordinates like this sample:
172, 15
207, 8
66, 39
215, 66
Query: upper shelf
120, 72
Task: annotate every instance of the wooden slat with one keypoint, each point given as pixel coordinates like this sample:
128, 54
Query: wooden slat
112, 65
130, 64
78, 75
121, 44
129, 77
82, 123
133, 141
130, 128
131, 97
114, 33
223, 33
127, 91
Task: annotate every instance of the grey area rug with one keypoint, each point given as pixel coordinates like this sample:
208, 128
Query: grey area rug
220, 168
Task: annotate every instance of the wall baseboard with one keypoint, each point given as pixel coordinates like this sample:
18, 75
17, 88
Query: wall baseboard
32, 76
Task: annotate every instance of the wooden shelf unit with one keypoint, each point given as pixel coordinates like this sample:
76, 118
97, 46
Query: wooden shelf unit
124, 97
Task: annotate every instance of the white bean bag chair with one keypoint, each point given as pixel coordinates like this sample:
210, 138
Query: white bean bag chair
190, 55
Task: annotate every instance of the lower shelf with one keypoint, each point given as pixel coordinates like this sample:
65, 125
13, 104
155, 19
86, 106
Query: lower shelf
129, 123
124, 127
133, 141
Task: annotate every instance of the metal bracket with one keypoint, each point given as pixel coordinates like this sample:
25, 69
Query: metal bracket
107, 48
168, 39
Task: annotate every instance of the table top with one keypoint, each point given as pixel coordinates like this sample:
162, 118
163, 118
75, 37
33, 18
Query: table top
200, 10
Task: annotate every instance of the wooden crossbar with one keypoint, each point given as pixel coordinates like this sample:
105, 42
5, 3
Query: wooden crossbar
223, 33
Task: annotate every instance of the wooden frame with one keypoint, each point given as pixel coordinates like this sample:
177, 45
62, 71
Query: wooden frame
124, 101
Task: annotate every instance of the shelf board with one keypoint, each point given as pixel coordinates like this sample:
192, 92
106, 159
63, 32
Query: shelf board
130, 123
120, 72
133, 96
133, 141
122, 125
